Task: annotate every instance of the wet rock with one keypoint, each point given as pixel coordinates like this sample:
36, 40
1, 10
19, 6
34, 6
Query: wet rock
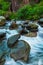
13, 26
40, 22
32, 27
24, 25
26, 22
12, 40
31, 34
23, 31
3, 51
2, 35
2, 61
2, 21
20, 51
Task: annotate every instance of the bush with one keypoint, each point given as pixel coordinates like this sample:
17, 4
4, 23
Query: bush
12, 15
4, 5
2, 13
31, 12
24, 12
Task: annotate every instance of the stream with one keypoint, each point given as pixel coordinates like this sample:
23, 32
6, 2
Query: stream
36, 44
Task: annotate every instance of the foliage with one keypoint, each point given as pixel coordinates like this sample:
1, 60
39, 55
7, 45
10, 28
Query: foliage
25, 13
12, 15
4, 5
2, 13
31, 12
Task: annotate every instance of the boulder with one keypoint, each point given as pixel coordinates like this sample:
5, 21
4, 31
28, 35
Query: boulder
13, 26
31, 34
2, 21
20, 51
32, 27
40, 22
12, 39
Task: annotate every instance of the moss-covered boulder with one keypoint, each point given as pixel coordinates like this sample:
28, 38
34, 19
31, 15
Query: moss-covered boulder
31, 34
40, 22
12, 39
2, 21
20, 51
32, 27
13, 26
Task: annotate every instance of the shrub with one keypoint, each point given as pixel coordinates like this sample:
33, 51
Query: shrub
12, 15
31, 12
4, 5
24, 12
2, 13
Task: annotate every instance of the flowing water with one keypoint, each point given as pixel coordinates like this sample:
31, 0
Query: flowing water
36, 44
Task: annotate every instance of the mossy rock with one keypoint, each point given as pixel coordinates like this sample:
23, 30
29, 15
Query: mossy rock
12, 40
31, 34
2, 21
32, 27
13, 26
20, 51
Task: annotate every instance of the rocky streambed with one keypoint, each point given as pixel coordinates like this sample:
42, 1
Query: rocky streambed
21, 44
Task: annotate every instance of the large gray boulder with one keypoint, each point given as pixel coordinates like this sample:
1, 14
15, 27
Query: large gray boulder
12, 39
20, 51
